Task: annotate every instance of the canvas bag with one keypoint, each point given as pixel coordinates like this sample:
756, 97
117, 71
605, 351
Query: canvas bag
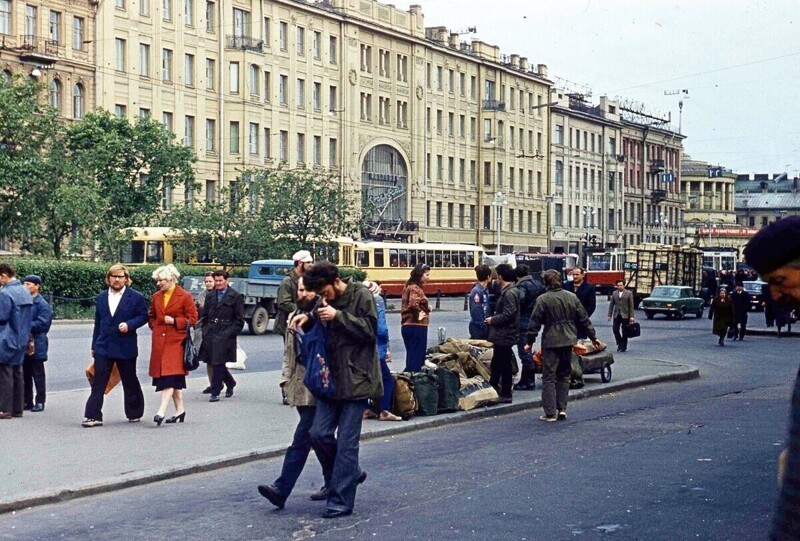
476, 392
318, 379
449, 388
426, 391
404, 403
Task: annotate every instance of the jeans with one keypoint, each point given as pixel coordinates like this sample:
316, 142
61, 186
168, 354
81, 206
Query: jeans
388, 386
11, 389
335, 437
501, 378
33, 375
296, 455
131, 388
218, 376
415, 338
556, 371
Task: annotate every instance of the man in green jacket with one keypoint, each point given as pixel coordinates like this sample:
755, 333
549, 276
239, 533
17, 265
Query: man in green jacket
348, 309
562, 315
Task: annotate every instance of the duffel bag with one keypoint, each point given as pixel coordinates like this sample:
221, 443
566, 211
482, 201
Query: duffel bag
404, 402
476, 392
426, 391
449, 387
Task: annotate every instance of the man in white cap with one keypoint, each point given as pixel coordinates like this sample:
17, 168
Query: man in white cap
287, 296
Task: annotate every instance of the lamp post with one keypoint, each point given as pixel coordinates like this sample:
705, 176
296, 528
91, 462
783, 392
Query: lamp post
588, 211
498, 203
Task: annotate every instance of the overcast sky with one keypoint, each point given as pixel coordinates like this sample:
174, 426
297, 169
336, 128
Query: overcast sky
739, 60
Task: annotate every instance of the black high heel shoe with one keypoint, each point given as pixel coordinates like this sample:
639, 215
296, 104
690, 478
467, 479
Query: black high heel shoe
158, 420
176, 418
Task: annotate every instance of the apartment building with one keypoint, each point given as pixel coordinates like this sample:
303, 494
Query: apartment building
710, 208
587, 173
52, 42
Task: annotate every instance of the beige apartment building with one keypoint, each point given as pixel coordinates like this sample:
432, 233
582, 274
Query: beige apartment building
52, 42
425, 129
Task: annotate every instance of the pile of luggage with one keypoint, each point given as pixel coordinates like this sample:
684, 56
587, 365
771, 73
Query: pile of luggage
455, 377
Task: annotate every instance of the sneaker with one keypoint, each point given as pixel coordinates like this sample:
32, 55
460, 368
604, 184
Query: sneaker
89, 423
548, 419
562, 415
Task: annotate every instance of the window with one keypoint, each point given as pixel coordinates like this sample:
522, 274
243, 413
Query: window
188, 70
211, 69
451, 124
332, 98
559, 135
166, 10
188, 131
402, 68
559, 215
428, 76
487, 217
241, 23
462, 126
301, 148
332, 47
462, 171
316, 96
301, 94
31, 20
366, 58
234, 137
144, 112
119, 4
439, 167
559, 173
384, 110
439, 122
473, 173
301, 41
5, 17
439, 78
402, 114
283, 36
267, 144
462, 84
473, 127
120, 111
283, 89
252, 138
166, 65
55, 27
267, 31
383, 63
211, 134
473, 87
166, 120
144, 60
366, 106
451, 81
316, 45
55, 94
233, 75
78, 96
487, 173
210, 9
78, 28
267, 87
450, 213
283, 146
317, 150
438, 214
333, 157
253, 84
119, 54
144, 8
188, 12
451, 173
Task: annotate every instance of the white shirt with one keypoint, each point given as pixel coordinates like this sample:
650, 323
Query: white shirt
113, 300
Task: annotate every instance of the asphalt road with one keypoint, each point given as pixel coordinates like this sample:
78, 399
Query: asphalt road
694, 460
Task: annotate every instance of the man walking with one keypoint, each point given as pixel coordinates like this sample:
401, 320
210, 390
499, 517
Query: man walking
741, 305
504, 332
200, 303
16, 307
561, 315
529, 290
119, 312
479, 304
620, 309
33, 367
348, 309
223, 319
774, 252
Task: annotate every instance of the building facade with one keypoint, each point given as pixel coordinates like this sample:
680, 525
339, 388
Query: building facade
710, 204
761, 199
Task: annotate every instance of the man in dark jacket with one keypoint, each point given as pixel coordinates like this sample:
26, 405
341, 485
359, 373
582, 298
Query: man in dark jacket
561, 315
119, 311
586, 292
286, 300
774, 252
504, 332
223, 319
479, 304
33, 368
16, 306
741, 305
349, 311
529, 290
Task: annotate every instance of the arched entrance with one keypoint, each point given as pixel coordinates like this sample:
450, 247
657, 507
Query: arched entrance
384, 182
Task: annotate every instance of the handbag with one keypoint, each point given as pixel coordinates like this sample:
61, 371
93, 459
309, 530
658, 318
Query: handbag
631, 330
113, 379
191, 359
731, 332
318, 379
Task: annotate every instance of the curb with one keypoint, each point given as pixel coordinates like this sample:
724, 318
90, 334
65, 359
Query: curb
771, 332
420, 423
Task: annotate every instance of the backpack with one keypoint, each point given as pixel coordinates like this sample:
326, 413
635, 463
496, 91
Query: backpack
404, 403
449, 387
318, 379
426, 391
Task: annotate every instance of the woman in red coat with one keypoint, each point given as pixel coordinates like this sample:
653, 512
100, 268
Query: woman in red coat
171, 311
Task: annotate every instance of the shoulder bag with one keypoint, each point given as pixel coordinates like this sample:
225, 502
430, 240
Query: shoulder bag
318, 379
191, 359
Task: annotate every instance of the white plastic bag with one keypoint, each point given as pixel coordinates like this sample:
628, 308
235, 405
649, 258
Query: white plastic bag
241, 357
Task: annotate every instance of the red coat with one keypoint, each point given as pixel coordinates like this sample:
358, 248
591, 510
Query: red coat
166, 357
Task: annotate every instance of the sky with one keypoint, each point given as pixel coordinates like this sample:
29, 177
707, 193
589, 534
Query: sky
739, 60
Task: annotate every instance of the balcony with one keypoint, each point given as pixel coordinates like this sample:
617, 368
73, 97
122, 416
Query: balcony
38, 50
658, 196
494, 105
656, 166
245, 43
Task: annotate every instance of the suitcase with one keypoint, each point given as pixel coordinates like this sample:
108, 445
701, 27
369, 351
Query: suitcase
598, 362
632, 330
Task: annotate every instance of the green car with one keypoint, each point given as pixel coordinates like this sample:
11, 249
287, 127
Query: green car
672, 301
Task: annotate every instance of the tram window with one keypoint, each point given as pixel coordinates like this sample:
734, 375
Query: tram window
378, 255
362, 258
446, 259
155, 252
404, 257
393, 259
133, 252
429, 258
421, 257
437, 258
470, 259
462, 259
412, 258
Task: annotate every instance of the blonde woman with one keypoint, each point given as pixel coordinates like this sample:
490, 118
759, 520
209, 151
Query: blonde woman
171, 312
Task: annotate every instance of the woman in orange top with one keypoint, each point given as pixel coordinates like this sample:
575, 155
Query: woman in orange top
414, 312
171, 311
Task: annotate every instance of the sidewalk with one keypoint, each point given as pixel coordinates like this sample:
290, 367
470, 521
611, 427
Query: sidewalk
48, 457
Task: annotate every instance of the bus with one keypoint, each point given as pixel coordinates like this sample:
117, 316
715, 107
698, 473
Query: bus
721, 259
603, 269
390, 263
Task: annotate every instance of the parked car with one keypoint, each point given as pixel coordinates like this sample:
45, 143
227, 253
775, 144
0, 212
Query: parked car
754, 289
673, 301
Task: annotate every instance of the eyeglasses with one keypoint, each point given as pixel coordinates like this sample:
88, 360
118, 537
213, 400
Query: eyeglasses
118, 277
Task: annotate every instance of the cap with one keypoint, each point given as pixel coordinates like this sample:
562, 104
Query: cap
32, 278
303, 256
774, 246
373, 287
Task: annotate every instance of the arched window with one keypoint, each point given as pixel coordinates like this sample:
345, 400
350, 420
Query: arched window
384, 179
77, 101
252, 80
55, 94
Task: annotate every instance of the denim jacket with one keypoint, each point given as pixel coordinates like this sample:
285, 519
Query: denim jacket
16, 307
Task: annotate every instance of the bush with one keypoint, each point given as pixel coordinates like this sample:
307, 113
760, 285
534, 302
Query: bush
352, 272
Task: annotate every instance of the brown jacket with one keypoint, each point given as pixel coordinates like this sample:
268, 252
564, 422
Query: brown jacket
413, 302
293, 373
166, 356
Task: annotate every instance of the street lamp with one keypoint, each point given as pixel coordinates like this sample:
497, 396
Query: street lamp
498, 203
588, 211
